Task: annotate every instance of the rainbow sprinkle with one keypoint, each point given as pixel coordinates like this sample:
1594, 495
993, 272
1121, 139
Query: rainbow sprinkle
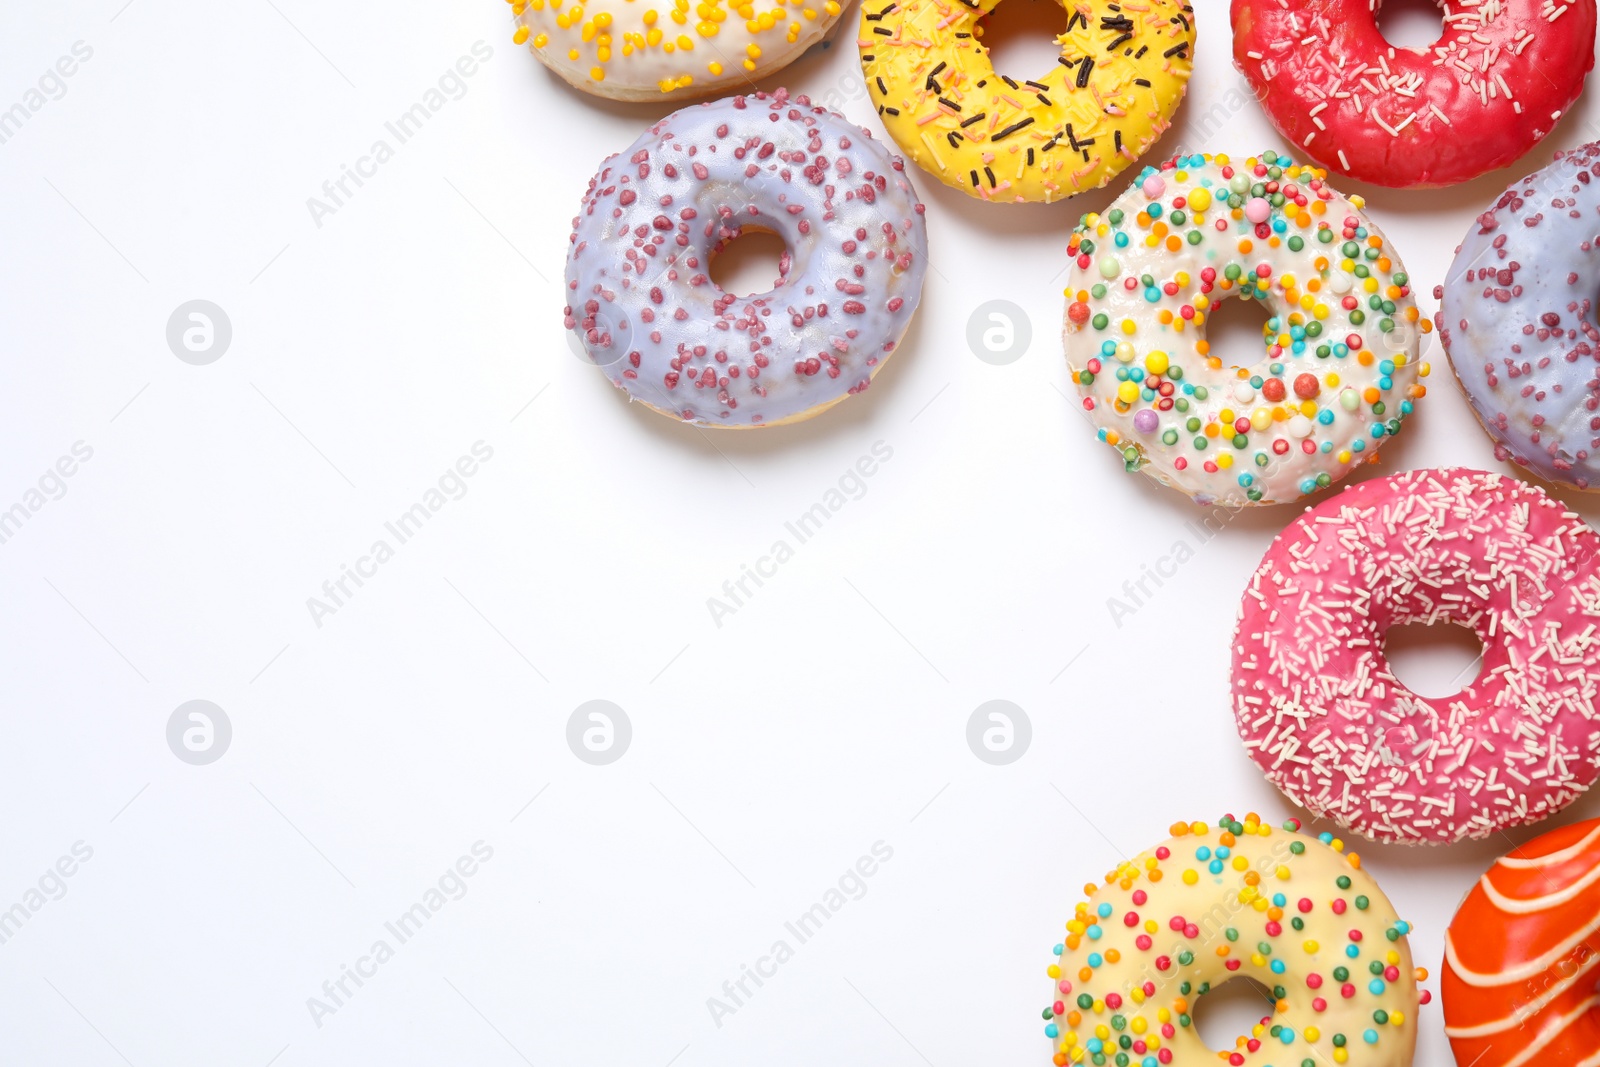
1240, 899
1339, 370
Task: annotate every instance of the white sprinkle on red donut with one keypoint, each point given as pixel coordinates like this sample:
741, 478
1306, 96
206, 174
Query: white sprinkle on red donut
1492, 86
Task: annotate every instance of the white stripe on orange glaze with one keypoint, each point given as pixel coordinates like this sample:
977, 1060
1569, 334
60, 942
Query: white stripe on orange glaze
1519, 973
1529, 905
1533, 1007
1552, 1032
1554, 858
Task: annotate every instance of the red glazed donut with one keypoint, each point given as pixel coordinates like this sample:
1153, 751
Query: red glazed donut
1522, 956
1482, 95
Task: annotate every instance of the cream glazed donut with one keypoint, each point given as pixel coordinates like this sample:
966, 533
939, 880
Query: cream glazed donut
1518, 320
1319, 708
1237, 900
647, 50
1338, 371
644, 309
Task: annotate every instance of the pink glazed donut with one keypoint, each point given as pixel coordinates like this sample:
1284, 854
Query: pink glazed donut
1320, 710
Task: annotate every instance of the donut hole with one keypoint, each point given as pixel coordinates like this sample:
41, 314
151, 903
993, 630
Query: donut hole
752, 263
1021, 37
1433, 661
1230, 1011
1236, 330
1410, 23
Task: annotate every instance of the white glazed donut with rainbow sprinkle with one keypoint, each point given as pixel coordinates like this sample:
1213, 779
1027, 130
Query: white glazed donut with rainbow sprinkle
644, 49
644, 308
1237, 900
1339, 371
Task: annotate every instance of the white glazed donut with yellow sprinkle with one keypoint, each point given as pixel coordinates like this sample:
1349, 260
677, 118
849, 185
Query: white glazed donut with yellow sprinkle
647, 49
1337, 373
1236, 900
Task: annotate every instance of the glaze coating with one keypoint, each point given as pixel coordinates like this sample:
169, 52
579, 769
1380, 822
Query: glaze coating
1337, 373
1122, 72
663, 49
643, 307
1495, 83
1239, 899
1319, 708
1520, 957
1518, 320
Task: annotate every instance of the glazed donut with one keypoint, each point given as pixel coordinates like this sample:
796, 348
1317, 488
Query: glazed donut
1518, 320
1122, 74
1239, 900
1339, 372
1319, 708
643, 50
1487, 91
1520, 957
643, 307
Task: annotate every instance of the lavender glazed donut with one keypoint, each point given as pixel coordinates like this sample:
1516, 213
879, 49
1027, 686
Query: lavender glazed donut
1518, 320
644, 308
1318, 705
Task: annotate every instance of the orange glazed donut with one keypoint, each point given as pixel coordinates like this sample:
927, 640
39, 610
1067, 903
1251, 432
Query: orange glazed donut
1522, 957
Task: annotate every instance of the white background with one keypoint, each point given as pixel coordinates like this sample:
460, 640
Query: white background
829, 712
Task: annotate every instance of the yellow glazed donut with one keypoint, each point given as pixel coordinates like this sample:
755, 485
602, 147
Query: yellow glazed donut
1122, 72
644, 49
1239, 899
